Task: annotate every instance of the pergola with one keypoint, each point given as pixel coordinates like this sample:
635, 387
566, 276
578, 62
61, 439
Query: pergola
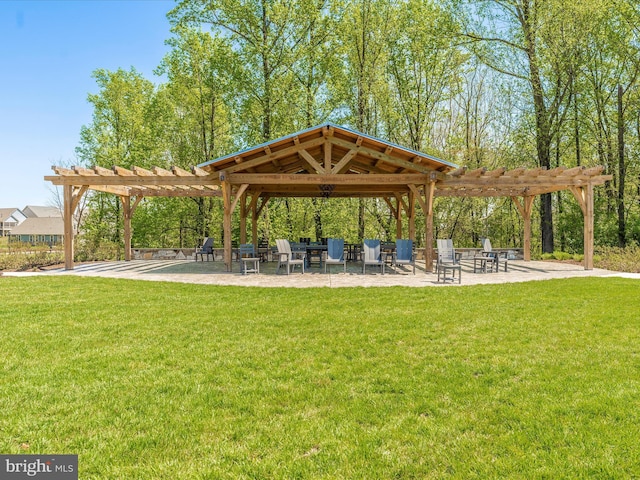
328, 161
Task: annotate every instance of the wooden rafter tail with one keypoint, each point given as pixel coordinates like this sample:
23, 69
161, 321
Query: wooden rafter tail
570, 172
516, 172
180, 172
125, 172
498, 172
478, 172
199, 172
84, 171
103, 172
555, 172
143, 172
593, 171
535, 172
458, 172
62, 171
161, 172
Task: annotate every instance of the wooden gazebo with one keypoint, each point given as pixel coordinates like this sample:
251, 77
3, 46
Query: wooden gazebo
328, 161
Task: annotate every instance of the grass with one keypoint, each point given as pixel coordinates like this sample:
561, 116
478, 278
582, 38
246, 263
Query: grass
152, 380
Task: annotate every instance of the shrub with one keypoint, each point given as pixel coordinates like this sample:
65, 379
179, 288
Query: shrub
619, 259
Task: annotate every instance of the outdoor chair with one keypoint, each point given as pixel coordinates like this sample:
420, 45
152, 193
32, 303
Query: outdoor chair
490, 257
335, 254
372, 255
286, 257
250, 262
404, 254
205, 250
448, 261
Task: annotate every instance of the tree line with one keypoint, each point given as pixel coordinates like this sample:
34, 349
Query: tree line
492, 83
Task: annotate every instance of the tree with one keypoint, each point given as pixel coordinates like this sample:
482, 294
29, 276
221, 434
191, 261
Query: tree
423, 66
532, 41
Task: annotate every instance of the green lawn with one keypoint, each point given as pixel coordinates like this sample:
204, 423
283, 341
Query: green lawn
151, 380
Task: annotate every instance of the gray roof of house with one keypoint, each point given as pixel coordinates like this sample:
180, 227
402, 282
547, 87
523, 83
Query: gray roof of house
40, 226
5, 213
38, 211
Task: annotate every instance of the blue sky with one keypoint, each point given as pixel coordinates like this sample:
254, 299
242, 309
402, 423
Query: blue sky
48, 50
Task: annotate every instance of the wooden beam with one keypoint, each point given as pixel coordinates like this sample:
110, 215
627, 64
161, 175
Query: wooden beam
392, 207
584, 197
78, 192
226, 224
342, 165
332, 179
68, 226
429, 189
238, 195
126, 214
311, 161
369, 152
132, 180
327, 157
243, 216
418, 197
524, 208
265, 200
285, 152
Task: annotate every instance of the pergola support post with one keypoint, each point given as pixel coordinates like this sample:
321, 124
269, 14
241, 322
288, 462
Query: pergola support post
427, 207
243, 218
127, 212
72, 195
429, 190
584, 196
524, 208
411, 212
68, 227
398, 218
226, 222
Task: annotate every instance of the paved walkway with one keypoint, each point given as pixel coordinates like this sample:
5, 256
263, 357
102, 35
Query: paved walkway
212, 273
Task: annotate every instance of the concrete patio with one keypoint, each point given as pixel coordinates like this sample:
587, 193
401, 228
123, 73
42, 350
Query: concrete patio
212, 273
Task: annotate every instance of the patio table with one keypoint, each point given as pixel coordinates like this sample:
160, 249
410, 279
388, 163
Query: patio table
315, 252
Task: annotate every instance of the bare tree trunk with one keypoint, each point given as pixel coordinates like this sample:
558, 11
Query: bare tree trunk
621, 173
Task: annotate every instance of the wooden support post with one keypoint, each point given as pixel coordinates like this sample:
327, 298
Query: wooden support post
255, 212
327, 157
525, 210
429, 190
226, 224
400, 207
126, 213
68, 227
427, 207
243, 218
396, 212
588, 227
584, 196
254, 228
412, 216
72, 196
398, 218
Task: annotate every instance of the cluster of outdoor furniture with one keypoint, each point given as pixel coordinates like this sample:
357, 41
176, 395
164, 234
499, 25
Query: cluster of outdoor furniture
485, 261
371, 253
335, 252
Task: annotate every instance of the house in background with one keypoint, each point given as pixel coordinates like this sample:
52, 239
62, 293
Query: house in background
33, 211
9, 219
41, 225
48, 230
